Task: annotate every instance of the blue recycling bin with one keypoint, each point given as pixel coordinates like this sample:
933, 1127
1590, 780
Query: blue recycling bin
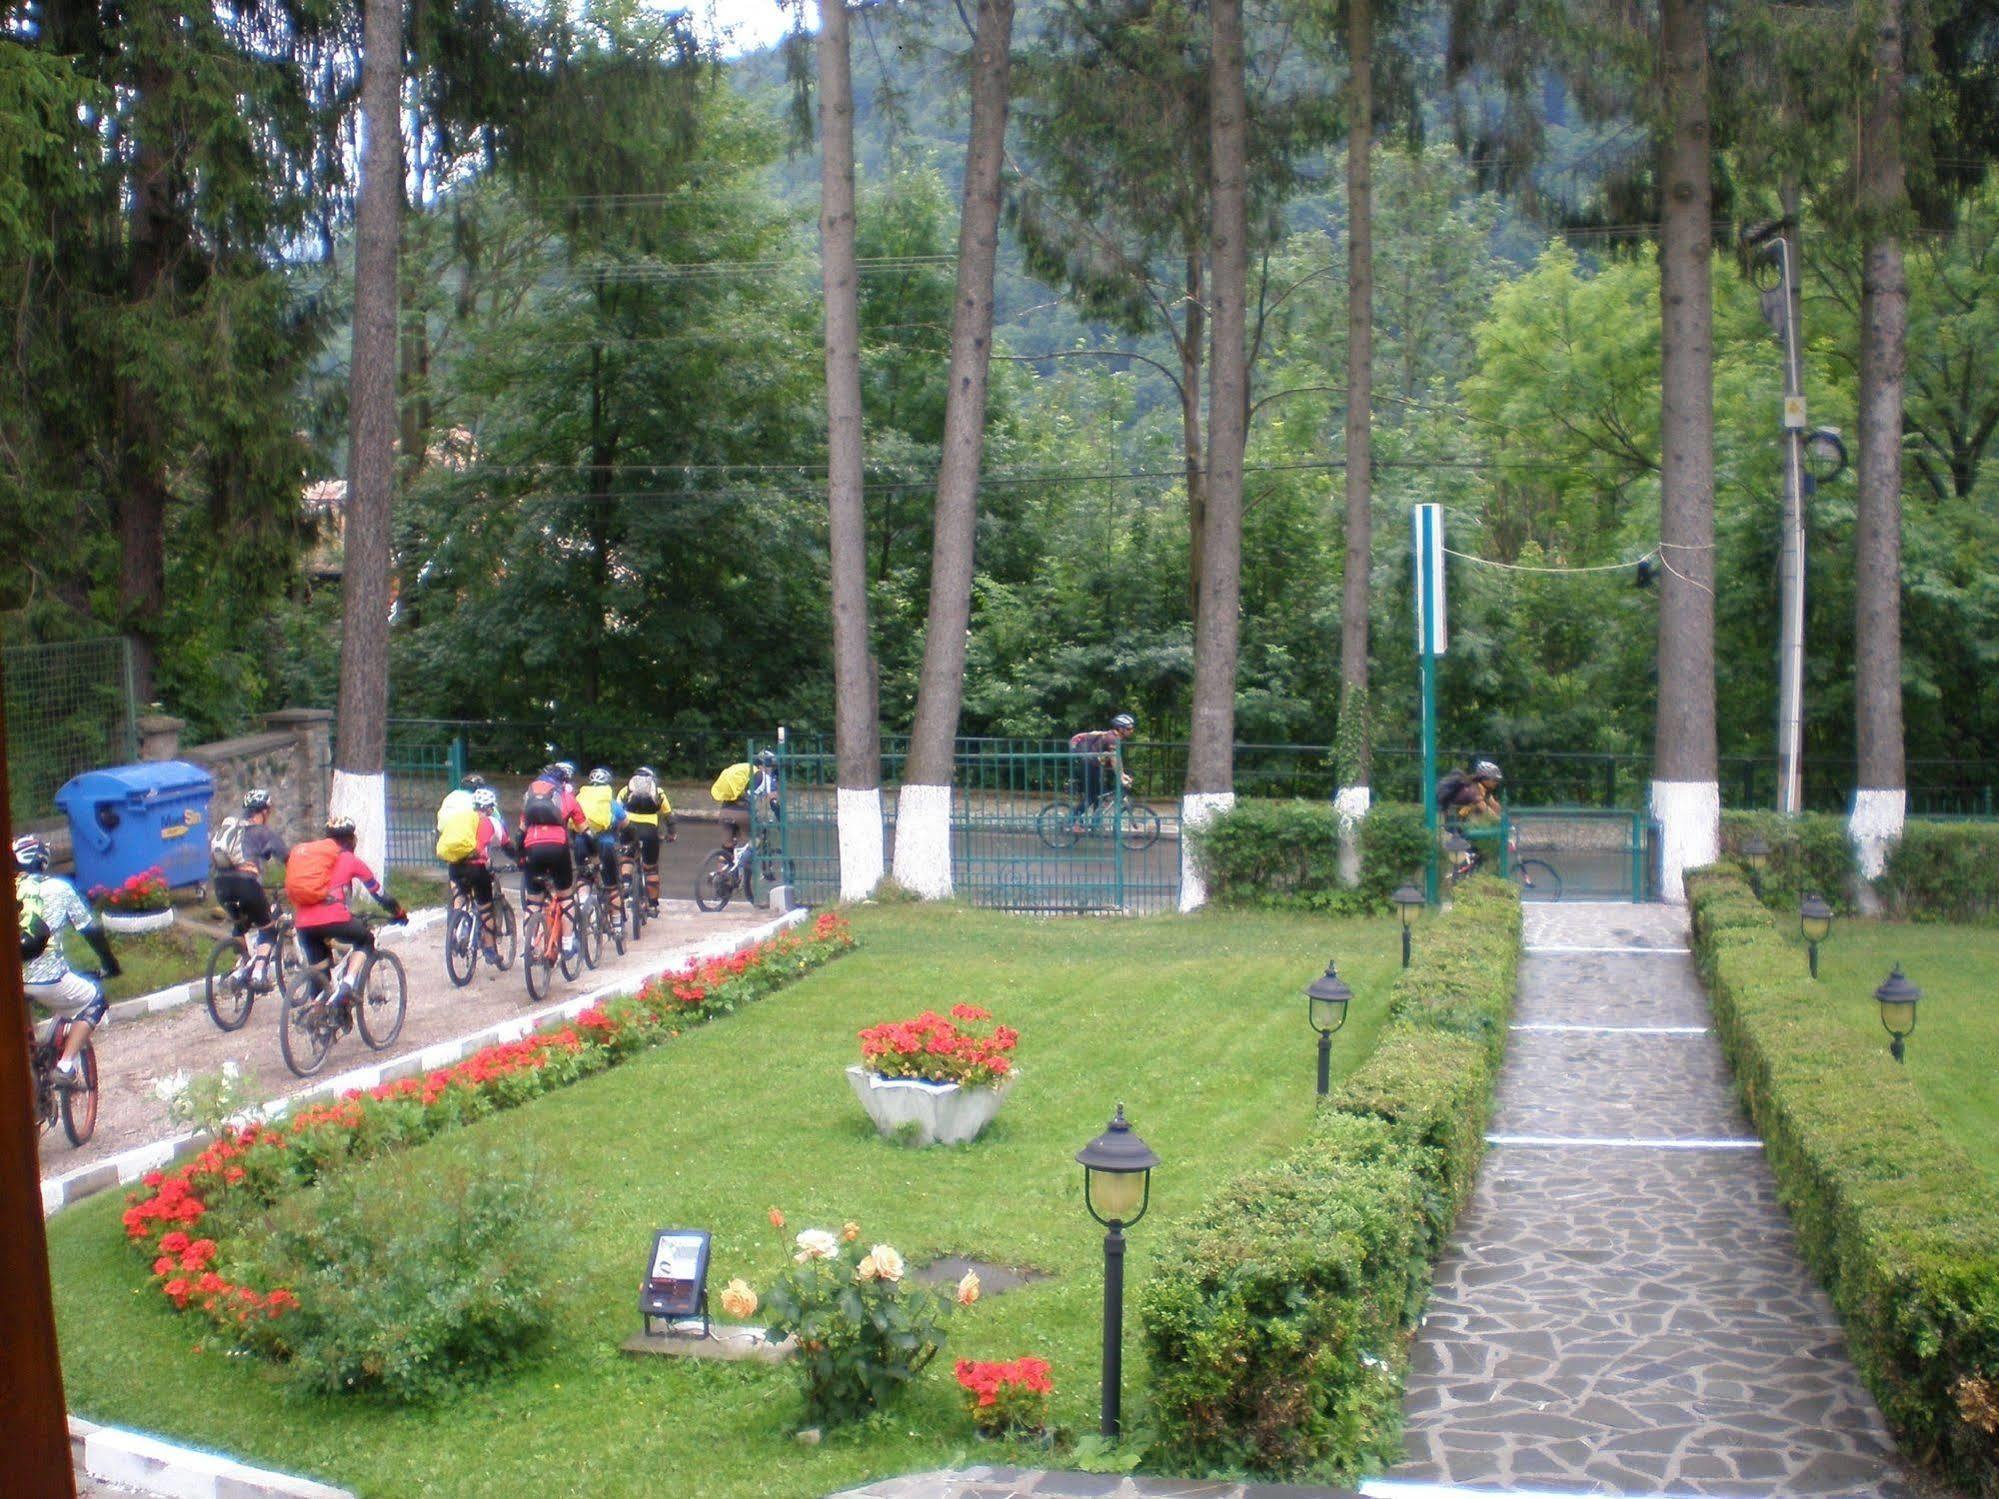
126, 819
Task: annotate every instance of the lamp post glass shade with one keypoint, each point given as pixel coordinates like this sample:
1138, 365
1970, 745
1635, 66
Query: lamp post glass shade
1755, 852
1327, 999
1456, 843
1408, 903
1815, 918
1897, 998
1825, 455
1117, 1174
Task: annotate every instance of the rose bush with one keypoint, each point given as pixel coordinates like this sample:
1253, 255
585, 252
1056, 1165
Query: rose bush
1006, 1397
961, 1048
201, 1224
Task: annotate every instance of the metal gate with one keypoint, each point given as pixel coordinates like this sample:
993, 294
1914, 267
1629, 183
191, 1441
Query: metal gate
1598, 854
420, 767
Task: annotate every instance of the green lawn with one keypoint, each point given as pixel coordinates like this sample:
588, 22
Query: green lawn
1196, 1024
148, 961
1950, 1056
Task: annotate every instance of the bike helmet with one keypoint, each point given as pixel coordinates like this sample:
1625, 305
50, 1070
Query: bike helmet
1124, 723
767, 758
1485, 770
550, 772
341, 830
473, 782
485, 799
31, 855
646, 770
600, 777
568, 770
257, 800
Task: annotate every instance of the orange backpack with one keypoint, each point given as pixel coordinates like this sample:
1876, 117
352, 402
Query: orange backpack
309, 873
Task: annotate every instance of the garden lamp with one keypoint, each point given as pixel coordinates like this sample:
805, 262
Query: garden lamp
1756, 854
1897, 999
1408, 905
1117, 1189
1815, 921
1825, 455
1326, 1001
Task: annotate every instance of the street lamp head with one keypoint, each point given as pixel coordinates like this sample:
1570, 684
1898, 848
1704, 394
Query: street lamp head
1408, 902
1825, 454
1117, 1174
1897, 998
1755, 852
1327, 998
1455, 843
1815, 918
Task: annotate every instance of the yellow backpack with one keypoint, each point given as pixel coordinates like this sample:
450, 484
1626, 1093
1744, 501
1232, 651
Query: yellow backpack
731, 784
458, 835
596, 804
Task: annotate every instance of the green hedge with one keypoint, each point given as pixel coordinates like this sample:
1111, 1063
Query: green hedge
1889, 1212
1945, 871
1286, 854
1277, 1326
1807, 852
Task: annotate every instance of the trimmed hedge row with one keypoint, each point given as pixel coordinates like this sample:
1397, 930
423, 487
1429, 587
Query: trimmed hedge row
1277, 1327
1286, 855
1939, 871
1889, 1212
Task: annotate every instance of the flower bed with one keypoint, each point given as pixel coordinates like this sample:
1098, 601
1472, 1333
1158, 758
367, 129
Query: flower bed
192, 1223
934, 1049
1005, 1398
137, 895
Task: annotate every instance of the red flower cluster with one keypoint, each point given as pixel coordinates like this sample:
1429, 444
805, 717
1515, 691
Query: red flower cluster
941, 1050
1006, 1395
146, 891
259, 1163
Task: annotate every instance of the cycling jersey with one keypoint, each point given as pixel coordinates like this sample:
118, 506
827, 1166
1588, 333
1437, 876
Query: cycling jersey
60, 907
1103, 743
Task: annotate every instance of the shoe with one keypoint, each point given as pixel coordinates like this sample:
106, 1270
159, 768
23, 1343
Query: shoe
68, 1082
491, 954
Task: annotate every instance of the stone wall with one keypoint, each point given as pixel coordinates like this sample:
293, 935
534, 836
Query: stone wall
292, 759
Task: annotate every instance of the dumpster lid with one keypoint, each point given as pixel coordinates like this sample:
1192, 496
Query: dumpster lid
149, 778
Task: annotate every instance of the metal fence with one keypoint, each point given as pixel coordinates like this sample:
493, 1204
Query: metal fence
70, 708
421, 763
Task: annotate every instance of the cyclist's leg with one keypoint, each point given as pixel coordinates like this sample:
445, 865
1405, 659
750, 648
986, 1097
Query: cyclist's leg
80, 999
735, 825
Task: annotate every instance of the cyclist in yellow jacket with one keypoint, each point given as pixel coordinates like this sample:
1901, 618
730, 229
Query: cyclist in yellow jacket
737, 787
605, 814
647, 812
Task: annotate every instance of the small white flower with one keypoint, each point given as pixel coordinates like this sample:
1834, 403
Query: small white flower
816, 1244
888, 1264
169, 1089
231, 1072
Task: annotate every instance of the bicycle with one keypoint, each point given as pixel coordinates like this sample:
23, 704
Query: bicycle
613, 910
75, 1106
239, 972
1536, 878
632, 878
546, 945
588, 917
318, 1011
1063, 825
466, 935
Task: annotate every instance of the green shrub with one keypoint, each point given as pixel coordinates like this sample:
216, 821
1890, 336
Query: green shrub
413, 1298
1889, 1212
1807, 852
1275, 1327
1287, 854
1945, 871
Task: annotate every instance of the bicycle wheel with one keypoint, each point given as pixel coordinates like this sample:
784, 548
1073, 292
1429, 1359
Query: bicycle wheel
305, 1028
716, 882
228, 984
79, 1104
461, 941
1141, 827
587, 922
382, 998
1057, 825
614, 918
635, 899
1537, 879
538, 961
506, 936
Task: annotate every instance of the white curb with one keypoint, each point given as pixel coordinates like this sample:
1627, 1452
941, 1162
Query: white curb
153, 1466
130, 1165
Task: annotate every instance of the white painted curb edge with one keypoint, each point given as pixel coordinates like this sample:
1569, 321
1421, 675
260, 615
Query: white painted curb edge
154, 1466
128, 1166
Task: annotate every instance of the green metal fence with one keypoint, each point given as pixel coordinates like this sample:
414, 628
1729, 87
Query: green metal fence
421, 764
70, 708
1598, 853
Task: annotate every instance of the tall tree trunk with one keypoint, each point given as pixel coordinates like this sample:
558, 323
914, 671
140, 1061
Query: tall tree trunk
856, 721
1880, 793
1192, 349
1355, 738
142, 494
359, 786
1685, 797
1211, 733
923, 808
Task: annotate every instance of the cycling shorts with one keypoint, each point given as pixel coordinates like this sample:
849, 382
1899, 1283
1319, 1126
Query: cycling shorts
476, 880
312, 940
735, 818
244, 897
547, 865
72, 994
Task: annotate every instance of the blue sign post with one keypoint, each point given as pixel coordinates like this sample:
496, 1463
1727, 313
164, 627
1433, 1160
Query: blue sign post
1426, 523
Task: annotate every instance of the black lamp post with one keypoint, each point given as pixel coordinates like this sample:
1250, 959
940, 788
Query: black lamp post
1815, 921
1897, 998
1326, 1001
1117, 1189
1756, 854
1408, 905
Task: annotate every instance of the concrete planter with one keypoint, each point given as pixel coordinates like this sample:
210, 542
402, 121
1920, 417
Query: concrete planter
127, 923
926, 1113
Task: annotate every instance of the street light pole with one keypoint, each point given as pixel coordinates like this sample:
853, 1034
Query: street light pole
1791, 555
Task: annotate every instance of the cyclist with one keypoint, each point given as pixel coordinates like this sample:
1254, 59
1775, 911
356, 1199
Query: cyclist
645, 805
317, 877
457, 804
548, 812
1470, 797
472, 871
1099, 756
239, 851
606, 816
50, 981
737, 787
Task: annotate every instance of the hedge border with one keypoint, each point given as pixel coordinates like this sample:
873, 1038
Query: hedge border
1285, 855
1889, 1212
1277, 1328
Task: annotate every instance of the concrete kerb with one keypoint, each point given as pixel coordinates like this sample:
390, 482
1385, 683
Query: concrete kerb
129, 1166
153, 1466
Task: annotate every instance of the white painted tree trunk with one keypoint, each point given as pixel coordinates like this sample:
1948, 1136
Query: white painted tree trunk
1351, 805
923, 840
365, 798
1689, 818
1874, 826
860, 815
1197, 809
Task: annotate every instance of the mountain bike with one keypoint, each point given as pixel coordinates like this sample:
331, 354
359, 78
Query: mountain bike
547, 945
239, 970
632, 877
612, 908
319, 1009
1064, 824
1536, 878
587, 911
466, 935
76, 1104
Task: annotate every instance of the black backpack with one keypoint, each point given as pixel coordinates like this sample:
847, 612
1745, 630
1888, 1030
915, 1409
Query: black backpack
543, 807
1448, 789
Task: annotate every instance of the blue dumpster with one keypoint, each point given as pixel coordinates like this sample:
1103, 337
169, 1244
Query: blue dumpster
129, 818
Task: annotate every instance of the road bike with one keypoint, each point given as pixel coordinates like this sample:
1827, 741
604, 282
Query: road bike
75, 1104
319, 1010
547, 944
1064, 824
467, 935
239, 970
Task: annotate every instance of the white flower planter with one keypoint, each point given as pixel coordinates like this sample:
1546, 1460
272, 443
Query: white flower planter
127, 923
926, 1113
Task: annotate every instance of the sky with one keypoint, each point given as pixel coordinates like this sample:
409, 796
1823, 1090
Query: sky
753, 23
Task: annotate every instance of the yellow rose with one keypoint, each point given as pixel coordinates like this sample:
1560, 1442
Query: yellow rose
866, 1270
851, 1232
815, 1244
888, 1264
738, 1300
968, 1288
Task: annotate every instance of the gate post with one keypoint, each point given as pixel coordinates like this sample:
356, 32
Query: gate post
454, 763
